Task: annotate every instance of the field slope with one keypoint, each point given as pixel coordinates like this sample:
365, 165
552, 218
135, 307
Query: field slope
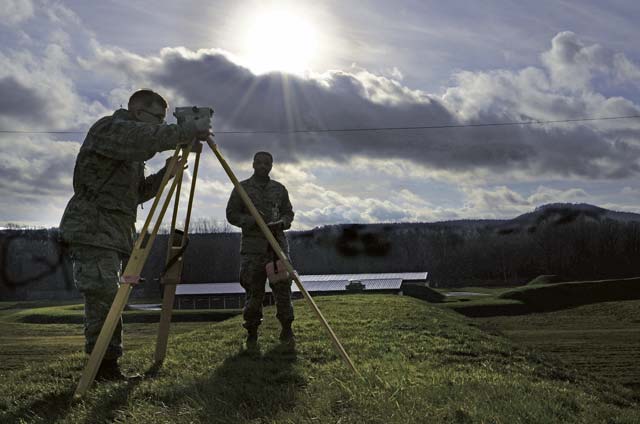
419, 363
591, 325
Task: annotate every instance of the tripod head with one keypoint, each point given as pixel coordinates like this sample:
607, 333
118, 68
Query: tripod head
201, 116
192, 113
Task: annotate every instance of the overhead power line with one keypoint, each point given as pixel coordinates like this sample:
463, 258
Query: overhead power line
401, 128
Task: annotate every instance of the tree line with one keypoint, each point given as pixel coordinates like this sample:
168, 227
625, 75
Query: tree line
572, 245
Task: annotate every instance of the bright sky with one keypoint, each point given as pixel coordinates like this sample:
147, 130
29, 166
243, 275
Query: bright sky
265, 65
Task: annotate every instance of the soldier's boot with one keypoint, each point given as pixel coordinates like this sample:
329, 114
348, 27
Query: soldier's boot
252, 339
286, 335
110, 371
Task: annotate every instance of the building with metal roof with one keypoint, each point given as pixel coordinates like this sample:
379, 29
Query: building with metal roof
232, 295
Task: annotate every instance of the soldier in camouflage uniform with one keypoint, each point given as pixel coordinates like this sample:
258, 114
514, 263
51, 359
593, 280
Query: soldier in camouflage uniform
109, 183
272, 201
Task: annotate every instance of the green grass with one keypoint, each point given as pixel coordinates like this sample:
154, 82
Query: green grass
539, 298
419, 363
24, 345
569, 323
23, 341
575, 293
600, 339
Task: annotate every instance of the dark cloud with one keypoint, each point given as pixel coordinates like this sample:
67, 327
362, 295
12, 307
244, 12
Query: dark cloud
358, 99
19, 101
36, 166
244, 101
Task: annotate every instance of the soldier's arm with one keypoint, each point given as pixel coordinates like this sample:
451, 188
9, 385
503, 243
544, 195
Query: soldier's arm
136, 141
286, 210
236, 213
149, 186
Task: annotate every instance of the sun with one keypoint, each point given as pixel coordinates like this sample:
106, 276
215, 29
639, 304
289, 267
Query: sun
279, 40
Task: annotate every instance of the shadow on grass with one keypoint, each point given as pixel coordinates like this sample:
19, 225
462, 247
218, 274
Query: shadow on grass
104, 410
53, 407
249, 386
46, 409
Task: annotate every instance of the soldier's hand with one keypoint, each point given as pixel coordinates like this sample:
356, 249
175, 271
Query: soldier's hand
203, 129
173, 171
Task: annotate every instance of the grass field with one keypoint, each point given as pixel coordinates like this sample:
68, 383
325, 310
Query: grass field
601, 339
32, 332
419, 363
596, 338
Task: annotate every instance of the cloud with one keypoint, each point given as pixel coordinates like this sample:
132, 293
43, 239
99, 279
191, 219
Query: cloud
495, 202
575, 66
328, 206
504, 202
42, 86
14, 12
545, 195
357, 98
35, 178
65, 78
19, 101
33, 166
318, 205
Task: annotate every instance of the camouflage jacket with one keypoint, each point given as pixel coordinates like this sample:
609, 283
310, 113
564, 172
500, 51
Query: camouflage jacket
109, 181
272, 201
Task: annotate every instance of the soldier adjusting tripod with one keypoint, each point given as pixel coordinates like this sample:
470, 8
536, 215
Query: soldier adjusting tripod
176, 247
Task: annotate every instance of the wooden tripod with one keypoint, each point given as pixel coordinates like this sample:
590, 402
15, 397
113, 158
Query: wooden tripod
139, 255
172, 274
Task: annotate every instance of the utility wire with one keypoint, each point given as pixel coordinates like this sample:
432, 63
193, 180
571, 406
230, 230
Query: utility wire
335, 130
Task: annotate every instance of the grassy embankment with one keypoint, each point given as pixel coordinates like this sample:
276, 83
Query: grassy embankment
419, 363
33, 332
593, 326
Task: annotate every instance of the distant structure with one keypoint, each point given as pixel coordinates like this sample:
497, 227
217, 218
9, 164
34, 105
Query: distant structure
232, 295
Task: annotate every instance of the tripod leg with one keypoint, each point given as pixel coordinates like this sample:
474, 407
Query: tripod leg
168, 297
168, 281
173, 275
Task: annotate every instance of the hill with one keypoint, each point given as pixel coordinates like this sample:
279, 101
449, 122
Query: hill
592, 325
419, 363
538, 298
565, 213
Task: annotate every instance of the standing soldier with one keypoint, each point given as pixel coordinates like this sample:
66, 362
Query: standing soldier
109, 183
271, 199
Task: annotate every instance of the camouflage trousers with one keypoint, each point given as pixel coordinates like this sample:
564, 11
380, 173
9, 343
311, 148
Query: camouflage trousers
96, 274
252, 278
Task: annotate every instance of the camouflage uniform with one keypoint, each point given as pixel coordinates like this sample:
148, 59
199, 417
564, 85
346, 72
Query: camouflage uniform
272, 201
99, 221
96, 272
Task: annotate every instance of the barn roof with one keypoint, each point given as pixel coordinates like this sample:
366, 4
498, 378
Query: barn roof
312, 283
407, 276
